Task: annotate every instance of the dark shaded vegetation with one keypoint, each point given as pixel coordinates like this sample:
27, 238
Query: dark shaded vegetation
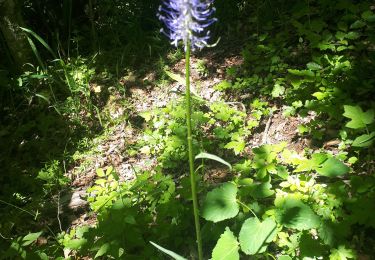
307, 60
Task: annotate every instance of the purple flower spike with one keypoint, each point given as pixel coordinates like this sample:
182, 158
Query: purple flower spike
187, 20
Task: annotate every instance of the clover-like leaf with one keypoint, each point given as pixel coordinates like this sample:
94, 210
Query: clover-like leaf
295, 214
226, 247
333, 168
359, 119
255, 235
220, 203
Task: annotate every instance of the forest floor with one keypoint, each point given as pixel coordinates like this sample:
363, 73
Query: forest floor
111, 148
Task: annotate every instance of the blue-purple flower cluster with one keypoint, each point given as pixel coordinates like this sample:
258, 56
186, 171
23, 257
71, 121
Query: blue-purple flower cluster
187, 20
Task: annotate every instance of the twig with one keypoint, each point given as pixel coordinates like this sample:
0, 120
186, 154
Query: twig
265, 134
58, 211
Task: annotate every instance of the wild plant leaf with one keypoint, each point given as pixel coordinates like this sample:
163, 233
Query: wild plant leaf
238, 146
313, 66
226, 247
168, 252
333, 168
352, 35
342, 253
255, 235
368, 16
359, 119
358, 24
221, 203
213, 157
284, 257
302, 73
75, 244
102, 250
293, 213
175, 77
308, 165
30, 238
364, 140
261, 190
36, 36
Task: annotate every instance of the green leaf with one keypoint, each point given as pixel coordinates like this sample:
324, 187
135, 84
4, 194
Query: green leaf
278, 90
359, 119
352, 35
103, 249
261, 190
313, 66
295, 214
302, 73
333, 168
220, 203
358, 24
226, 247
254, 235
342, 253
37, 37
168, 252
237, 146
284, 257
175, 77
364, 140
213, 157
368, 16
30, 238
75, 244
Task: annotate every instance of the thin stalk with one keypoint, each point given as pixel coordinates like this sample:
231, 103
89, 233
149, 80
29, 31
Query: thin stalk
191, 159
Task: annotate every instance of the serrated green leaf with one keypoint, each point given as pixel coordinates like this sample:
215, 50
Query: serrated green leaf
226, 247
168, 252
352, 35
30, 238
255, 235
213, 157
359, 119
295, 214
333, 168
358, 24
221, 203
364, 140
341, 253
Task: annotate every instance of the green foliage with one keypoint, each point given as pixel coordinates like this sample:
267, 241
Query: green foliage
226, 247
220, 203
255, 235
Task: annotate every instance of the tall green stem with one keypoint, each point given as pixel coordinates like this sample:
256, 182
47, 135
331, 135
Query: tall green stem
191, 159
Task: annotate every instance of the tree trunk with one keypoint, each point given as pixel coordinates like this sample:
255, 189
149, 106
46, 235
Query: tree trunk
10, 21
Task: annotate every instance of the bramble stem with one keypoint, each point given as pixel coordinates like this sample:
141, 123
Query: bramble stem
191, 159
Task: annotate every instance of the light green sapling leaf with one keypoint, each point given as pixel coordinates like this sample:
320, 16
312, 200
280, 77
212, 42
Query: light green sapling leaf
333, 168
255, 235
226, 247
221, 203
